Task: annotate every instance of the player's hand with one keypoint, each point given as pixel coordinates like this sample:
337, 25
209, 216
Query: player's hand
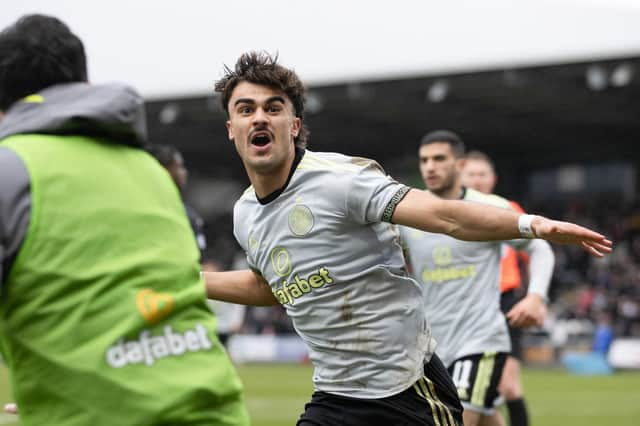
569, 233
11, 408
528, 312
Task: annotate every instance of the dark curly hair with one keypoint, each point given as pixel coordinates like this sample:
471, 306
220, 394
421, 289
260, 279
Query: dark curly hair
263, 69
447, 136
36, 52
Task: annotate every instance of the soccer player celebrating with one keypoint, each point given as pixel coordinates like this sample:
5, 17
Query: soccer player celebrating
103, 320
317, 230
479, 174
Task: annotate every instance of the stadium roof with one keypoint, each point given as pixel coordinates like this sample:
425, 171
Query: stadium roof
529, 117
169, 50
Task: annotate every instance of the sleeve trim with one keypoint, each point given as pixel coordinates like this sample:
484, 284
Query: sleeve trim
393, 203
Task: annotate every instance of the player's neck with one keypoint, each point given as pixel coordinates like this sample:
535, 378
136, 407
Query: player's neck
456, 192
266, 183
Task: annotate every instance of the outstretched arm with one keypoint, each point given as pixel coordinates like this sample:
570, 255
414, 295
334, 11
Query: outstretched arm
470, 221
244, 287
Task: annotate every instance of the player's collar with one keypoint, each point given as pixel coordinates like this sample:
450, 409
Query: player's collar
463, 193
275, 194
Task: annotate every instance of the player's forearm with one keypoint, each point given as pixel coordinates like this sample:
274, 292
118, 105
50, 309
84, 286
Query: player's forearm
244, 287
478, 222
463, 220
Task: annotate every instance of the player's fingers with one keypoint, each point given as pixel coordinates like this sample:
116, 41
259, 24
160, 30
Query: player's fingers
588, 234
565, 232
595, 249
580, 231
11, 408
537, 320
605, 246
524, 321
515, 317
526, 315
515, 322
590, 249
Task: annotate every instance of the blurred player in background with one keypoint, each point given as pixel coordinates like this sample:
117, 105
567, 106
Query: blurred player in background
172, 160
102, 314
461, 285
318, 234
479, 174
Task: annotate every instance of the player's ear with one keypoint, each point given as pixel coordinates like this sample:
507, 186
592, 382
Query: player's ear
229, 130
295, 126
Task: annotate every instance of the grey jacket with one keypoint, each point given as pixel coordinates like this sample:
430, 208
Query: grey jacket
111, 112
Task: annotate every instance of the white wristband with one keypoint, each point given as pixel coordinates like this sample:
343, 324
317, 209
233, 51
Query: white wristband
524, 226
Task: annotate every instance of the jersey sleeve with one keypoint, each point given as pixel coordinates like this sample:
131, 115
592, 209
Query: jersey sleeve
372, 196
242, 236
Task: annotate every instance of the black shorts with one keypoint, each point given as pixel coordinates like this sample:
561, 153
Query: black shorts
477, 378
508, 299
432, 401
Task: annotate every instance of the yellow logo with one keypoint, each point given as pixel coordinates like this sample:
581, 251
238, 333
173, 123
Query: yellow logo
154, 306
33, 99
281, 261
440, 275
298, 287
442, 255
253, 243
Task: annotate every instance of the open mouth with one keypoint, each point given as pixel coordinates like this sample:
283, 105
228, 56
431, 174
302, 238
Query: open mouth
260, 138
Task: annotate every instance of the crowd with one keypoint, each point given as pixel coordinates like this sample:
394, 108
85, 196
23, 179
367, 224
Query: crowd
601, 290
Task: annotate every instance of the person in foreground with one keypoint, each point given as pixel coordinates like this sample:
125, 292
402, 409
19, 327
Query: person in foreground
103, 320
461, 285
479, 173
319, 236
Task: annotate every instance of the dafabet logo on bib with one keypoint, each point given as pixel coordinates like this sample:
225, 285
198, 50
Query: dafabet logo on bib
149, 346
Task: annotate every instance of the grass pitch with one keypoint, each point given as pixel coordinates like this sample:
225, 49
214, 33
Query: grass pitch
276, 394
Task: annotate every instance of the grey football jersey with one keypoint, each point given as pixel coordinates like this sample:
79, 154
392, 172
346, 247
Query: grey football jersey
461, 281
339, 271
